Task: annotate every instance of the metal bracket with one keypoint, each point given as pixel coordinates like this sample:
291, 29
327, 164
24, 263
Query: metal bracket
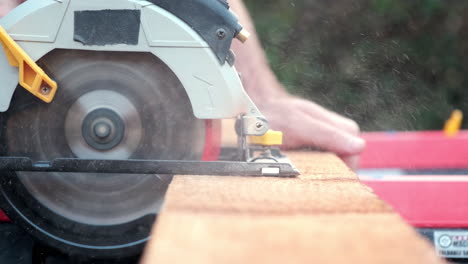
172, 167
248, 126
253, 125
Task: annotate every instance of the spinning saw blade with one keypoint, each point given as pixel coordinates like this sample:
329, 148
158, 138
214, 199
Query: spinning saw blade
110, 106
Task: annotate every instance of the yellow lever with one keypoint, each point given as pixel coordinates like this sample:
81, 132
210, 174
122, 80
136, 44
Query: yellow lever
453, 124
270, 138
31, 76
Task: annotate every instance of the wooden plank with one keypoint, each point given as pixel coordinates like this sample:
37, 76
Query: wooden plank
324, 216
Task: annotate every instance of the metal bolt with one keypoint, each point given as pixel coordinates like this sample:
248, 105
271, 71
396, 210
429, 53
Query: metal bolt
221, 33
102, 130
259, 125
45, 90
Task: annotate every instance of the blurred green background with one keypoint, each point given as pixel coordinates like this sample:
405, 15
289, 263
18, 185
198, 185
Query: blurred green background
388, 64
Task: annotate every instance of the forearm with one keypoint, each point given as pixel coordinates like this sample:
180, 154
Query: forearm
257, 76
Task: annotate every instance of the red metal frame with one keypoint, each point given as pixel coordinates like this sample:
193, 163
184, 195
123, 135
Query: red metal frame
415, 150
424, 201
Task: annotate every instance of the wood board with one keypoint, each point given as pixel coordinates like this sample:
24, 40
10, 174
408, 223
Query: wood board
324, 216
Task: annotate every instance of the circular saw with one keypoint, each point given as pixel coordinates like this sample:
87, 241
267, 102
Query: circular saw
104, 101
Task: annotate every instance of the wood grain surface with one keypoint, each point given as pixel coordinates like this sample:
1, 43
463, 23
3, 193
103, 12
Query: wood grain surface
324, 216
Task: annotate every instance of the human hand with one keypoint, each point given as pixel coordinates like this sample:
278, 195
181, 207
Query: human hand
306, 124
7, 5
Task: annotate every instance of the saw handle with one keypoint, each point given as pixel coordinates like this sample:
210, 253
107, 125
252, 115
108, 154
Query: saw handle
31, 76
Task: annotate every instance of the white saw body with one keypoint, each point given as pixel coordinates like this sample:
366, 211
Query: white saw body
214, 89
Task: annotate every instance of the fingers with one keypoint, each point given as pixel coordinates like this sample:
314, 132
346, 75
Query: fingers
351, 161
327, 116
306, 124
309, 131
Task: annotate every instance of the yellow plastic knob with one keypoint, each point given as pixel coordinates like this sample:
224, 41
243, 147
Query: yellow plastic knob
270, 138
31, 76
452, 126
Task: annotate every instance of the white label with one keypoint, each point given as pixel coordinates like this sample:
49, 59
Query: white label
270, 171
451, 244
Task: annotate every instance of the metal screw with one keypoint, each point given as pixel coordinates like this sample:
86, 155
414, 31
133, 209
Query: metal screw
45, 90
259, 125
221, 33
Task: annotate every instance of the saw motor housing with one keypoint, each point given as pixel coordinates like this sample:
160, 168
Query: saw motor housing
204, 66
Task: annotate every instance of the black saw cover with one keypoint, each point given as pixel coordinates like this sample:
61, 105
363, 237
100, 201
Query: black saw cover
211, 19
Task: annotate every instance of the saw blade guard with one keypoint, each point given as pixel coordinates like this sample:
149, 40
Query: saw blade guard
211, 82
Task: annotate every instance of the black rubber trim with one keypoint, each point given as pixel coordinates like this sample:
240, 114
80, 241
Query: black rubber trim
16, 245
107, 27
211, 19
66, 235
